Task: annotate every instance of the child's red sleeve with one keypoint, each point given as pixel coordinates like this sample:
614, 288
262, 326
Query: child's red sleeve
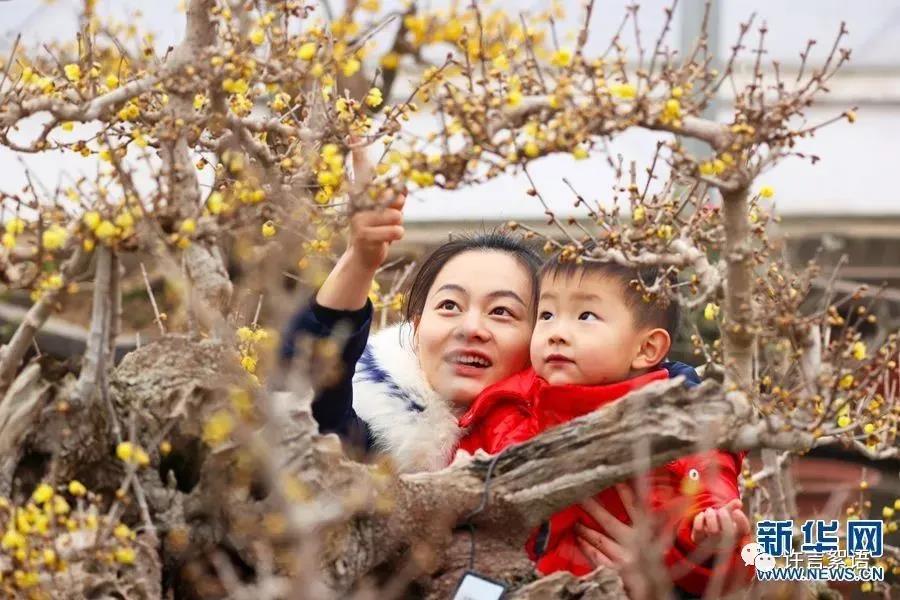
683, 489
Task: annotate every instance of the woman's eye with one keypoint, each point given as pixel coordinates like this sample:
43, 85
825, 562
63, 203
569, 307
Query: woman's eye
502, 310
545, 315
447, 305
587, 316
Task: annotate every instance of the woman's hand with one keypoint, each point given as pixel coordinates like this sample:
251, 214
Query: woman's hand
371, 233
617, 548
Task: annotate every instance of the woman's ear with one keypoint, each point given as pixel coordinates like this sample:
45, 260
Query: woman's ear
653, 349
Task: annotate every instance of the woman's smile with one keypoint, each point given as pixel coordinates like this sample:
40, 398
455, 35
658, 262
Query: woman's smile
469, 362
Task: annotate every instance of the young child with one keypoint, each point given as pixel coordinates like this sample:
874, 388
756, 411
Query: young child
596, 340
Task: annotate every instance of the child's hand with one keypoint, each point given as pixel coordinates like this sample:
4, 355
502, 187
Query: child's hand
720, 524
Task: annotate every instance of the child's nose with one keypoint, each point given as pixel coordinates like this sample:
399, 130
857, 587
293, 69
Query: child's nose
558, 335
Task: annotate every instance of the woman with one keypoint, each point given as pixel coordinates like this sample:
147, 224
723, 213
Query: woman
468, 321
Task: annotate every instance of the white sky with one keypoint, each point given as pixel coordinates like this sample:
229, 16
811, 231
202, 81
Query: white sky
854, 175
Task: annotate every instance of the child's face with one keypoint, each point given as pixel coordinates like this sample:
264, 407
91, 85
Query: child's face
585, 334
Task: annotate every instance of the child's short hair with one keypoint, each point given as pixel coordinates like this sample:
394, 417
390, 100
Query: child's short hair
660, 311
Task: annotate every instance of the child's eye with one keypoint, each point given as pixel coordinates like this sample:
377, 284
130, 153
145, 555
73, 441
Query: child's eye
545, 315
447, 305
587, 316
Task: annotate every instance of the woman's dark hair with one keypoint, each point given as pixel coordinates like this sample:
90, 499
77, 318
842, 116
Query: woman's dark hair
494, 241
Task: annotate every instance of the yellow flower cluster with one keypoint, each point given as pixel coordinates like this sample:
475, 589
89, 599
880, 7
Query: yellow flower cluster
131, 453
394, 302
624, 91
249, 342
218, 428
32, 531
330, 172
108, 230
671, 113
130, 111
13, 227
716, 166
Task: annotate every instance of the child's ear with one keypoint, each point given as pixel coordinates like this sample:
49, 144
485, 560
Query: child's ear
653, 349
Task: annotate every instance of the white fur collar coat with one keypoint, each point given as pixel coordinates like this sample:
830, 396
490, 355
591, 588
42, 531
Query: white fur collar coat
408, 420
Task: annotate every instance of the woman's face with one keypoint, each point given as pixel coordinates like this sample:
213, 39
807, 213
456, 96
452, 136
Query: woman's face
476, 324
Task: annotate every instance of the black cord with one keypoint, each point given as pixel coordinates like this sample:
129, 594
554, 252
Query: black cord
481, 507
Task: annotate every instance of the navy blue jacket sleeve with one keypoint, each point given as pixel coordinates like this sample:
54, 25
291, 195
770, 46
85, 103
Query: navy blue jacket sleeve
332, 406
691, 378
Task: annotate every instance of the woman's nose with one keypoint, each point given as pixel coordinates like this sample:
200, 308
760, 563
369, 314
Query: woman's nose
473, 326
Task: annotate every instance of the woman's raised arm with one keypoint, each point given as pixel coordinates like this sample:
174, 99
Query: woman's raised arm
343, 297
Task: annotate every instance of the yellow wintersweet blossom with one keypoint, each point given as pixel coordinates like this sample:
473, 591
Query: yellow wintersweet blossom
125, 451
92, 219
374, 98
561, 58
73, 72
350, 67
514, 99
112, 81
60, 506
626, 91
124, 220
49, 556
580, 152
639, 214
123, 532
218, 428
859, 350
390, 61
766, 191
188, 226
15, 226
13, 539
249, 364
42, 493
307, 51
281, 101
215, 203
54, 237
199, 101
68, 126
846, 382
422, 178
105, 231
257, 36
711, 311
500, 62
124, 556
268, 229
531, 149
232, 86
8, 240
